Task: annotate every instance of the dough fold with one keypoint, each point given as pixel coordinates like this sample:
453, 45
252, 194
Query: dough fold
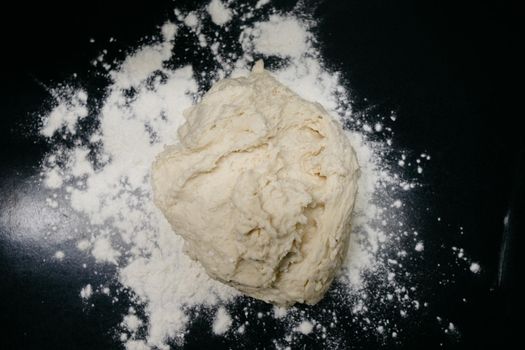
261, 187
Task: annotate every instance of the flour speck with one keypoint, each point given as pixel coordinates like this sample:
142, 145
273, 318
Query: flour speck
222, 321
305, 327
59, 255
220, 14
475, 268
86, 292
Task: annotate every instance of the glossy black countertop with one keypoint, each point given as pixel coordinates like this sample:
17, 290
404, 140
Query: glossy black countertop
449, 72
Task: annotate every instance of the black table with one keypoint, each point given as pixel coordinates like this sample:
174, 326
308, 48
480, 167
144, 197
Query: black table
448, 70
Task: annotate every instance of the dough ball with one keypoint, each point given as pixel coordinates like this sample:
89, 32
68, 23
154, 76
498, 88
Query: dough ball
261, 187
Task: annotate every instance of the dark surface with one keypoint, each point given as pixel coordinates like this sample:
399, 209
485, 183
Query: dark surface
450, 72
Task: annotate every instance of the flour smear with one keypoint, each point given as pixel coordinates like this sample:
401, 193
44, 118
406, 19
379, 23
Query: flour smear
104, 176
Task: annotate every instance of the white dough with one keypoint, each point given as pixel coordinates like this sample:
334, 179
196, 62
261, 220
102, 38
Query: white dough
261, 187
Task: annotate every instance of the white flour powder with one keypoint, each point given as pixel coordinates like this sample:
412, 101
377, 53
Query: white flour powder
59, 255
261, 3
280, 36
104, 252
305, 327
70, 109
222, 321
86, 292
475, 268
219, 13
105, 178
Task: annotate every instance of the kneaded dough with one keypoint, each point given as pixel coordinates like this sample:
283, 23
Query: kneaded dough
261, 187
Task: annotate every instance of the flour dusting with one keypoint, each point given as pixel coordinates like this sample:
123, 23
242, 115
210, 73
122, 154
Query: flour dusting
104, 176
222, 321
220, 14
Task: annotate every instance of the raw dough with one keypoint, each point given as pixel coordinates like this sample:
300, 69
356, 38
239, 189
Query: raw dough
262, 188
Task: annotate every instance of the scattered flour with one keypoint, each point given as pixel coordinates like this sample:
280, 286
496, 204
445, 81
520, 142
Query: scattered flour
136, 345
305, 327
261, 3
132, 323
59, 255
169, 31
279, 36
86, 292
220, 14
279, 312
70, 109
105, 178
191, 20
140, 65
475, 268
104, 252
222, 321
83, 244
52, 203
53, 179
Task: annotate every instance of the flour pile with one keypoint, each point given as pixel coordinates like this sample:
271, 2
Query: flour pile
103, 150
